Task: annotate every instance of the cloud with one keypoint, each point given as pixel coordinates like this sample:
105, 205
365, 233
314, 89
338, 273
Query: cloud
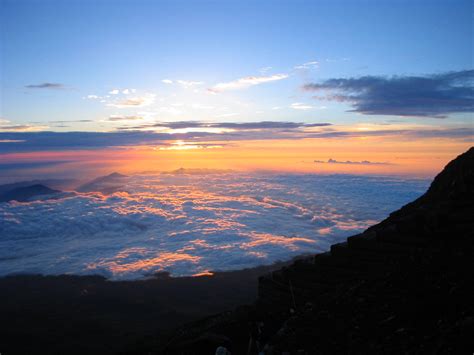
301, 106
11, 140
160, 133
114, 92
67, 121
189, 83
8, 126
436, 95
139, 101
45, 86
57, 141
230, 114
21, 128
349, 162
246, 82
269, 125
308, 65
180, 145
204, 222
184, 83
115, 118
239, 125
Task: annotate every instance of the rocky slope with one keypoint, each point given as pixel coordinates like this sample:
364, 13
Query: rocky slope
405, 285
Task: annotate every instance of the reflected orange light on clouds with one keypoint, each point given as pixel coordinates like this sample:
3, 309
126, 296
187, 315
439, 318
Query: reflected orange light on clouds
205, 273
117, 265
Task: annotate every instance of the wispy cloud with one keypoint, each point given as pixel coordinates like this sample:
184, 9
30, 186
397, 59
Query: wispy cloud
184, 83
138, 101
246, 82
22, 128
349, 162
434, 95
7, 126
45, 86
301, 106
308, 65
115, 118
189, 83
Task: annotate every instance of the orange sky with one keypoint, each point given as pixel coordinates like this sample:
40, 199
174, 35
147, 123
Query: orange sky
422, 158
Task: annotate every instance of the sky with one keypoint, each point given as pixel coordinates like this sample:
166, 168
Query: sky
369, 87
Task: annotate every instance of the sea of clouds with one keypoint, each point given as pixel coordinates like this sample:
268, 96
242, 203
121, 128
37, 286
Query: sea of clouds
190, 224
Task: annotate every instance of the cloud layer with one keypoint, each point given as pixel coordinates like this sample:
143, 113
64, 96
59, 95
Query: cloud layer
23, 138
424, 96
187, 224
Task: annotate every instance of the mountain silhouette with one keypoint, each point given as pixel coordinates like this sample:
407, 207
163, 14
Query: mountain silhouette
23, 194
402, 286
105, 184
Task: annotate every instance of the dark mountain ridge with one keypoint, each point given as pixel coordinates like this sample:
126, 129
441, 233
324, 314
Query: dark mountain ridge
402, 286
57, 184
24, 194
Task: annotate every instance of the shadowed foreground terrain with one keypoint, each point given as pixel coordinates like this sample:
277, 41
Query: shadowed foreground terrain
90, 315
402, 286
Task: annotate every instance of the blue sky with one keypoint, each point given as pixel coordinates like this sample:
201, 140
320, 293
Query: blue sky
355, 81
93, 47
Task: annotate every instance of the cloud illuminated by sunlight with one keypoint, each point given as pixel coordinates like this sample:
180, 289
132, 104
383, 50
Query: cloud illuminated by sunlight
246, 82
138, 101
181, 145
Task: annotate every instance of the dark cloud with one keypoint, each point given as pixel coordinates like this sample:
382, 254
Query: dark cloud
44, 140
349, 162
45, 86
464, 133
424, 96
269, 125
236, 125
65, 121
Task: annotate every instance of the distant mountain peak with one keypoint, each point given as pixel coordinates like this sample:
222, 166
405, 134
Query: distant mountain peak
116, 175
23, 194
106, 184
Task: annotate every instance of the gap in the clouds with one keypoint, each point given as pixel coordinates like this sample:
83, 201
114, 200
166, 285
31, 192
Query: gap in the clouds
190, 222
